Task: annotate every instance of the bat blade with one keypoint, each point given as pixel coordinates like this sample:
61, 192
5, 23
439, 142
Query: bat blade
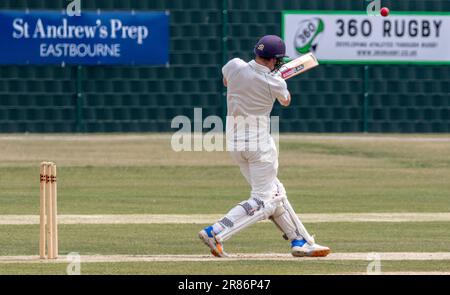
298, 66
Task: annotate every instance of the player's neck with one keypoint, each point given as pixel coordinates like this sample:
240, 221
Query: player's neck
264, 62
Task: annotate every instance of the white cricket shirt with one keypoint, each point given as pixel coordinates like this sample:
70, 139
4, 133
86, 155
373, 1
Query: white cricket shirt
252, 91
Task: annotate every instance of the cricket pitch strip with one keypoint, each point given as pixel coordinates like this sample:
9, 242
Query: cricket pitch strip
387, 256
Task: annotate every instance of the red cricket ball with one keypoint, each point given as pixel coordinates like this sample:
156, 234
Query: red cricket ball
384, 11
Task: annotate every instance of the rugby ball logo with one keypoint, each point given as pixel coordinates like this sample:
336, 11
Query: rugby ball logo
308, 35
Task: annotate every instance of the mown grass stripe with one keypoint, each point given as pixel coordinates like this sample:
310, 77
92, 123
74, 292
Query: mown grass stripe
210, 218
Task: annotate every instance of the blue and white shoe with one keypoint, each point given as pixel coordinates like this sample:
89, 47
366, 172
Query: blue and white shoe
300, 248
208, 237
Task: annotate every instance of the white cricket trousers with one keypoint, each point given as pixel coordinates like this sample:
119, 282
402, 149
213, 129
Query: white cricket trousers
260, 168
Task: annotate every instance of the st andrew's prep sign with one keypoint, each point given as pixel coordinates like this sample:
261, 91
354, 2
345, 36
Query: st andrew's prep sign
51, 37
355, 37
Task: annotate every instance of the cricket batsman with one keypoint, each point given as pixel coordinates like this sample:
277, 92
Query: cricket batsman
252, 90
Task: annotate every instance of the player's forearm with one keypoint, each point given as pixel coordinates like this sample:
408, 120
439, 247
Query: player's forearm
285, 101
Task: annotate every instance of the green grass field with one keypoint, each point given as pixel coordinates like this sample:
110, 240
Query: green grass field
140, 174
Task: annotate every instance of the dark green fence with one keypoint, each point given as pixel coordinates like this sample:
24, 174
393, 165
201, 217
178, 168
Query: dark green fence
400, 98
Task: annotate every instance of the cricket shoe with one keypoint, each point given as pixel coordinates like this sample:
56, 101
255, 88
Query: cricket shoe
208, 237
300, 248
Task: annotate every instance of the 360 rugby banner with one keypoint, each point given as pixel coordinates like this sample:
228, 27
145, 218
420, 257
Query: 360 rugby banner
52, 37
355, 37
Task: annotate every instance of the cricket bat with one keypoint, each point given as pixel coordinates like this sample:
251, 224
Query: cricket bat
298, 66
